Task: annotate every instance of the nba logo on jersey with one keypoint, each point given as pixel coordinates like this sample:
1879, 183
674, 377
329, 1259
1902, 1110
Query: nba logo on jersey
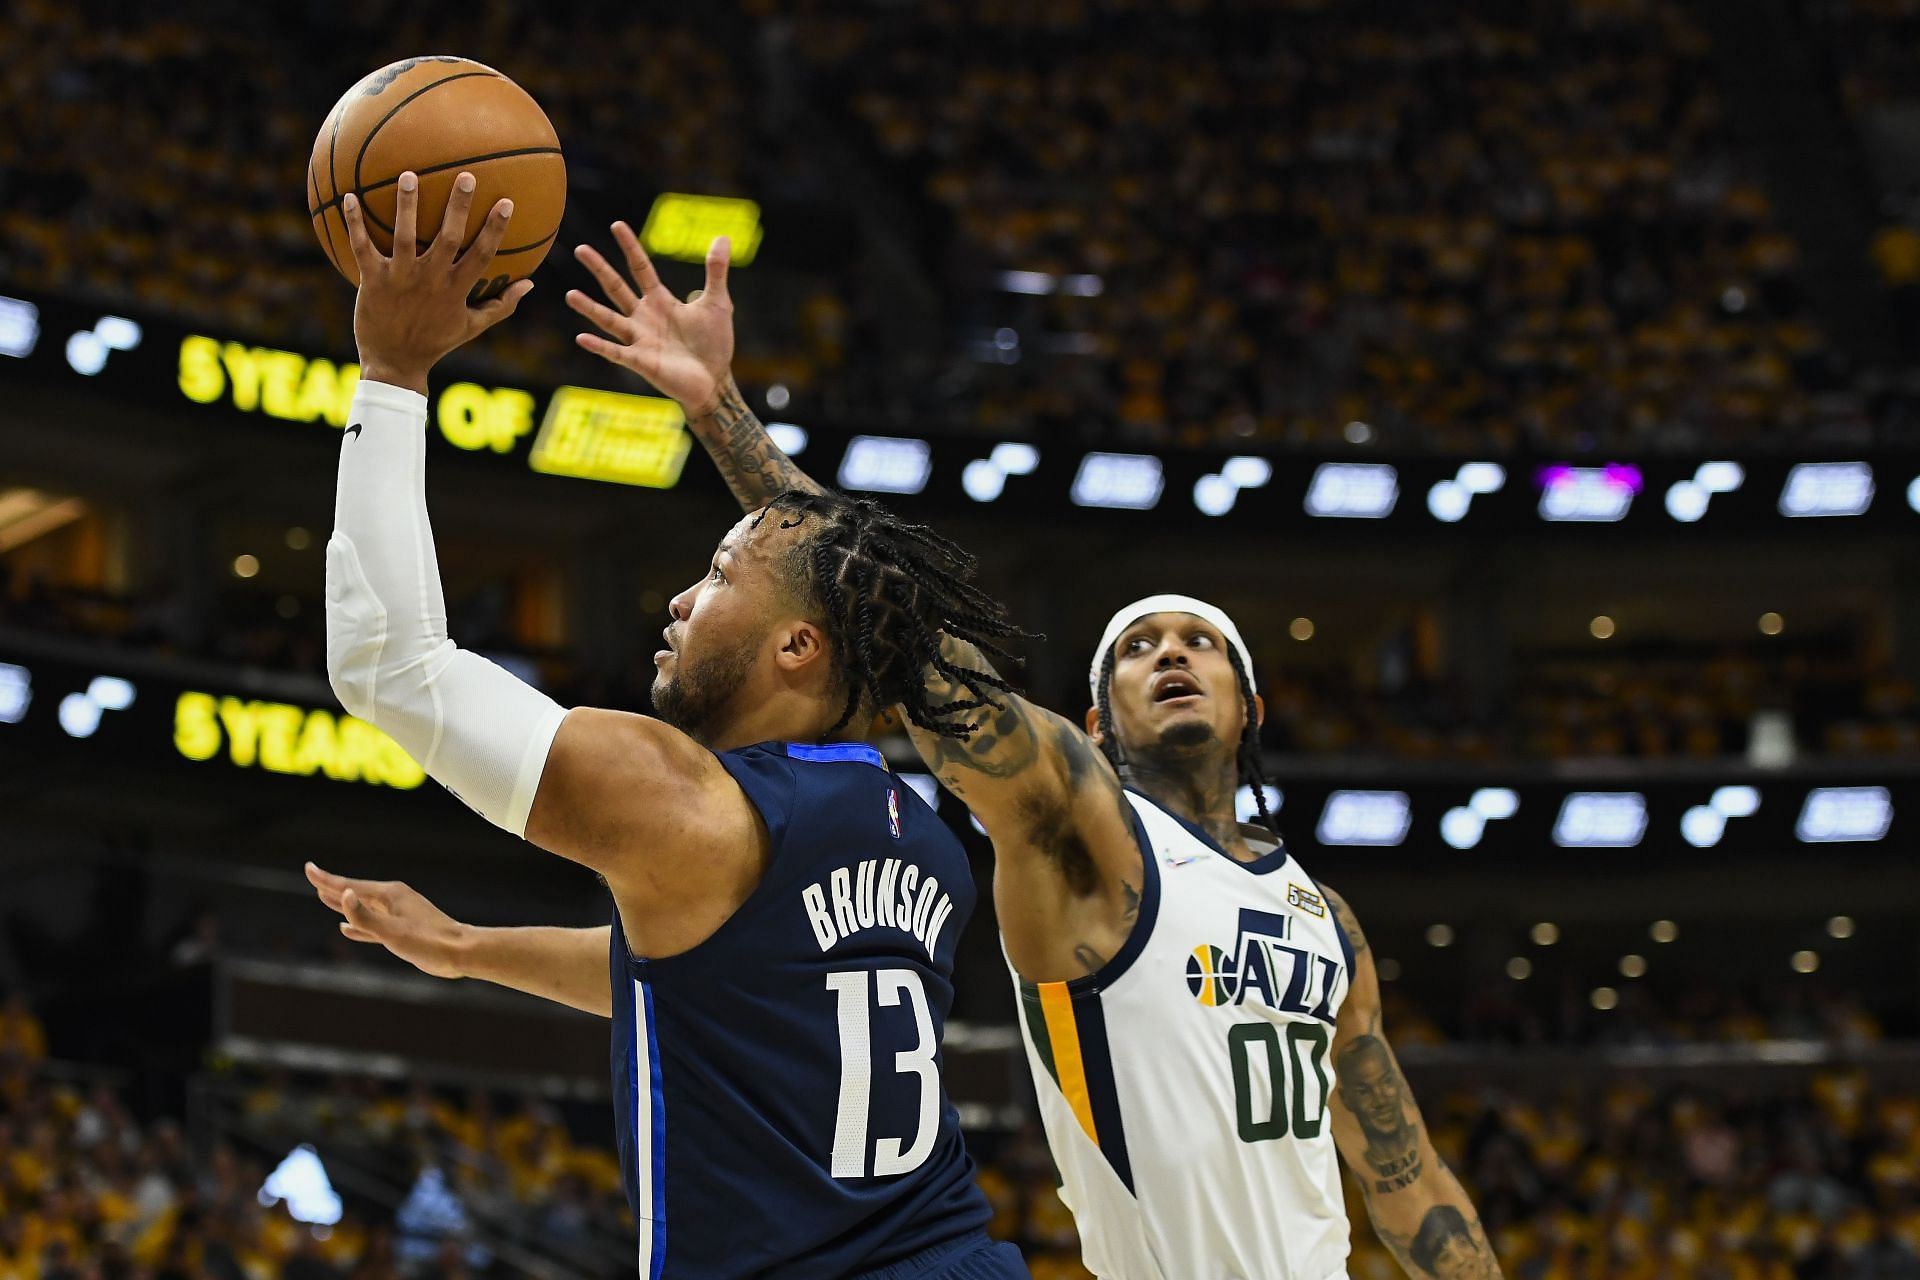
893, 811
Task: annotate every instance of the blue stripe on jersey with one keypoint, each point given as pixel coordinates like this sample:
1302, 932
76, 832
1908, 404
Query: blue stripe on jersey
659, 1111
857, 752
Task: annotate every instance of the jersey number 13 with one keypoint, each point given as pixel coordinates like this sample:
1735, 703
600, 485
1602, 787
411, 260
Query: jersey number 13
853, 990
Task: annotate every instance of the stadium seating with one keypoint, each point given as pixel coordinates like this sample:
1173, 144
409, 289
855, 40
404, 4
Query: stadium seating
1499, 226
1573, 1183
1473, 227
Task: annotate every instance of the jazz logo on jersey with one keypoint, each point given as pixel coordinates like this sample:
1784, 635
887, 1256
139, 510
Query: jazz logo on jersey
1265, 966
1306, 900
893, 811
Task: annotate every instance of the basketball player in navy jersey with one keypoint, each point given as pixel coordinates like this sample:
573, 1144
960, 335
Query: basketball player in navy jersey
1198, 1099
779, 965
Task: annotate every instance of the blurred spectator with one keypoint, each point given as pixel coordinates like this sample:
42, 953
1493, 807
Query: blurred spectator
1475, 226
1471, 227
1574, 1183
20, 1031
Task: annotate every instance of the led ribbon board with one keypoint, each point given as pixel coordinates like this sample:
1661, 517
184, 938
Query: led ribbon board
49, 705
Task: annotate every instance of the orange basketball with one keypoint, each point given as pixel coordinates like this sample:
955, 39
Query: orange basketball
439, 116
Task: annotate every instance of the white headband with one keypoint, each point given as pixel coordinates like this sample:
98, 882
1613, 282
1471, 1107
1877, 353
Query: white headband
1139, 609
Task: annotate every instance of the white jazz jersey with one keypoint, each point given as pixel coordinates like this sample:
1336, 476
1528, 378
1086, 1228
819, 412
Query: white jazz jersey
1185, 1085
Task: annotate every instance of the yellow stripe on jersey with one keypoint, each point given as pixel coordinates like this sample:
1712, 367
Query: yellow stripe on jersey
1056, 1006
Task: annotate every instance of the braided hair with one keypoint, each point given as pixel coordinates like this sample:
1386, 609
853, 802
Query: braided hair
1247, 760
886, 591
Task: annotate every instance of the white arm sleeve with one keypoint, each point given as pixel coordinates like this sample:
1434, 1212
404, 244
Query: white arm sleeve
481, 732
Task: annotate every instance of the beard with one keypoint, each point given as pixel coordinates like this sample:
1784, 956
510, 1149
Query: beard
696, 698
1181, 741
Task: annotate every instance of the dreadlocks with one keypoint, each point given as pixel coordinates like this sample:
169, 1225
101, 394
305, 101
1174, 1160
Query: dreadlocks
1247, 758
1250, 771
886, 591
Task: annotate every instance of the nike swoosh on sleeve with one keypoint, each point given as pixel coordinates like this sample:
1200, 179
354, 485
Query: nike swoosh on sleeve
353, 430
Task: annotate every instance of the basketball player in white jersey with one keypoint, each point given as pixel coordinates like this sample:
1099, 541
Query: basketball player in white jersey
1202, 1017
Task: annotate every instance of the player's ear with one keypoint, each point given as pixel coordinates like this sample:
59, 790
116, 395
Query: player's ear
1093, 724
802, 645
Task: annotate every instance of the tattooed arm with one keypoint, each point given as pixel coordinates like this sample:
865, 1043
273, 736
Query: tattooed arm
1067, 868
754, 467
1418, 1208
1068, 873
686, 350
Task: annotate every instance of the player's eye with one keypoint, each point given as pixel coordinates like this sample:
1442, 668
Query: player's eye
716, 575
1200, 640
1139, 644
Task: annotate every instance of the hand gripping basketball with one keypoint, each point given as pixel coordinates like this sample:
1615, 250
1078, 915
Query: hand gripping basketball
413, 307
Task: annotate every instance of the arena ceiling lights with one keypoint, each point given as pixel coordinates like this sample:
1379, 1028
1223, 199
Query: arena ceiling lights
1126, 481
75, 716
1450, 500
886, 464
1040, 284
1816, 489
88, 349
789, 438
1688, 500
194, 386
1589, 494
19, 327
1353, 491
986, 478
1601, 820
16, 692
1377, 818
1216, 492
1831, 815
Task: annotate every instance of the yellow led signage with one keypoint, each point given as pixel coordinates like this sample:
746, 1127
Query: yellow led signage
608, 435
472, 417
282, 738
280, 384
296, 388
682, 226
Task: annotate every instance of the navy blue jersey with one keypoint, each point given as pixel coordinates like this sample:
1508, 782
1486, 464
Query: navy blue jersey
777, 1090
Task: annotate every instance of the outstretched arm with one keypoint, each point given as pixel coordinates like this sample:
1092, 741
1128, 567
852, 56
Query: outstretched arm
567, 966
1418, 1208
686, 350
1069, 877
1068, 874
607, 789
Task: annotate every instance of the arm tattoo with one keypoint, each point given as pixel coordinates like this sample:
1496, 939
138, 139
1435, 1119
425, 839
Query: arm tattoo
1448, 1245
1094, 960
752, 465
1373, 1090
1016, 738
1344, 917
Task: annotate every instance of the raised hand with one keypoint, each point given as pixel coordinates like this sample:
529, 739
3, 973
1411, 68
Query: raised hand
413, 306
397, 917
685, 349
